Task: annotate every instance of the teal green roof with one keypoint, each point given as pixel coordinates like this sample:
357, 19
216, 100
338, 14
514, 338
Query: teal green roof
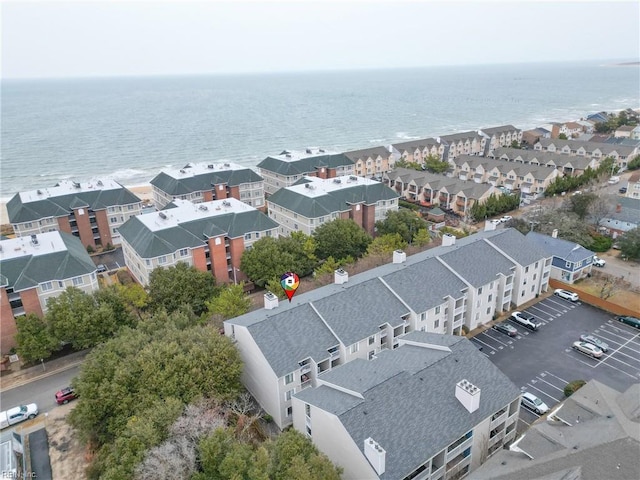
150, 244
63, 205
334, 201
204, 181
304, 165
28, 271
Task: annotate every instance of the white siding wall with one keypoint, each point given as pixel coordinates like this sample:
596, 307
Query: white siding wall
89, 284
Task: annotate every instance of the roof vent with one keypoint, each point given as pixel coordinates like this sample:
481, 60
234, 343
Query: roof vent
309, 186
353, 178
375, 454
340, 276
204, 208
270, 301
211, 166
554, 234
188, 165
34, 239
227, 164
309, 150
226, 204
76, 184
468, 395
162, 215
399, 256
320, 150
337, 180
288, 155
182, 171
99, 183
39, 192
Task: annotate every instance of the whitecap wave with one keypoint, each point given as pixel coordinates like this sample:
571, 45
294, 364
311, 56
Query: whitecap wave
406, 136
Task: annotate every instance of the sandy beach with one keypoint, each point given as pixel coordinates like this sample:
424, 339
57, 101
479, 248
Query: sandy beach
141, 191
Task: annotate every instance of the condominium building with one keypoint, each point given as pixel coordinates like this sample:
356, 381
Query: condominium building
567, 165
502, 136
210, 236
371, 162
92, 211
464, 143
204, 182
313, 201
433, 408
417, 151
35, 269
290, 347
285, 169
622, 154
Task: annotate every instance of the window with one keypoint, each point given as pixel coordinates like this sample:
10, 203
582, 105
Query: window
289, 411
130, 207
46, 286
162, 259
371, 354
490, 297
371, 340
78, 281
113, 219
288, 394
308, 429
257, 234
60, 284
307, 410
488, 310
436, 324
247, 236
288, 379
184, 252
437, 310
355, 347
423, 316
148, 262
480, 291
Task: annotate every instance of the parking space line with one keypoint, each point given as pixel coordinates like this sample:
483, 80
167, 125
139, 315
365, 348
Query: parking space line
476, 339
550, 308
621, 346
561, 379
635, 358
617, 360
552, 385
578, 359
616, 368
561, 304
526, 423
549, 315
494, 339
543, 392
615, 334
612, 325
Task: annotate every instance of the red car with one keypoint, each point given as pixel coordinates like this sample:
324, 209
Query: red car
65, 395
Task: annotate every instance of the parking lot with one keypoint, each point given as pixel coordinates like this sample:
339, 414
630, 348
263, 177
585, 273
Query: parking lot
543, 362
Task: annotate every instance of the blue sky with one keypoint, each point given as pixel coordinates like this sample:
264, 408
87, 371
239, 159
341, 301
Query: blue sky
71, 39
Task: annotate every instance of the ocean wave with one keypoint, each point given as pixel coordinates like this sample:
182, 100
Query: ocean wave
406, 136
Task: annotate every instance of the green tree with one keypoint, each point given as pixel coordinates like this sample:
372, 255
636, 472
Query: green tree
629, 244
327, 267
421, 237
519, 224
75, 317
580, 204
403, 222
435, 165
406, 164
113, 298
341, 238
562, 136
274, 286
169, 288
34, 338
634, 164
385, 244
515, 144
230, 302
134, 297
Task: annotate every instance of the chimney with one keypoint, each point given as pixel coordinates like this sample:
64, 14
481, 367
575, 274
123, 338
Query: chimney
468, 395
270, 301
340, 276
399, 256
489, 226
618, 208
554, 234
448, 240
375, 454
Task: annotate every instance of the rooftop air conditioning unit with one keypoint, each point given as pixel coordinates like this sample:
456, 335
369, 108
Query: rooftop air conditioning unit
76, 184
182, 171
99, 182
309, 151
227, 164
353, 178
204, 208
288, 155
337, 180
34, 239
162, 215
210, 166
226, 204
307, 185
39, 192
321, 150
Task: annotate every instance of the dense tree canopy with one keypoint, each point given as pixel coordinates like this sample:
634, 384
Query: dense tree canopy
494, 205
385, 244
630, 244
34, 338
170, 288
403, 222
230, 302
341, 238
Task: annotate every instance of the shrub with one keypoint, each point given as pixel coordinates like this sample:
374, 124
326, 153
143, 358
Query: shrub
600, 243
465, 329
90, 249
573, 387
109, 247
410, 206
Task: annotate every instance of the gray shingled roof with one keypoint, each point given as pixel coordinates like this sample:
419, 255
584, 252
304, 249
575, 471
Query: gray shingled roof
629, 211
422, 394
564, 249
365, 153
498, 130
456, 137
149, 244
203, 181
333, 201
63, 205
478, 265
28, 271
361, 308
414, 145
420, 295
605, 148
510, 241
304, 165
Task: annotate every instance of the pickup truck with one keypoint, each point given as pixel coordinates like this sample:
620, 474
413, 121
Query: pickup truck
18, 414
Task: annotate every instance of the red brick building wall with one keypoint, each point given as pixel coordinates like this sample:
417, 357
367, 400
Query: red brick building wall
63, 224
331, 173
237, 247
84, 226
218, 257
103, 227
221, 191
199, 259
322, 172
369, 218
31, 302
207, 196
234, 192
356, 213
8, 328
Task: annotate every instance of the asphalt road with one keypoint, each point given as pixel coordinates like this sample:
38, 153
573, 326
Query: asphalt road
543, 362
42, 391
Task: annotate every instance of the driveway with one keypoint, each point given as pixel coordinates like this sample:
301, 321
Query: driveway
543, 362
617, 267
112, 260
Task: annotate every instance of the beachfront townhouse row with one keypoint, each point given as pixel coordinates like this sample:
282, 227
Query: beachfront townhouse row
313, 201
92, 211
285, 169
417, 151
210, 236
565, 164
204, 182
371, 162
622, 154
34, 269
502, 136
530, 179
433, 408
430, 189
288, 347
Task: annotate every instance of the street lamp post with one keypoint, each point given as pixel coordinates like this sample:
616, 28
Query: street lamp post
235, 281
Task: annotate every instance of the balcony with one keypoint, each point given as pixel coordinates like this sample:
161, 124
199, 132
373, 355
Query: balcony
305, 369
437, 473
458, 447
498, 418
18, 311
13, 296
457, 460
305, 381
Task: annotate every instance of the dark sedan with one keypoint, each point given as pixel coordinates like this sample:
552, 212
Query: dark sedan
506, 329
631, 321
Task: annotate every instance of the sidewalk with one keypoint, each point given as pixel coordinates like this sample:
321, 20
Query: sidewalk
16, 376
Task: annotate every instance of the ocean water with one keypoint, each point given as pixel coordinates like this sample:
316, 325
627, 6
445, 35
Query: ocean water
129, 128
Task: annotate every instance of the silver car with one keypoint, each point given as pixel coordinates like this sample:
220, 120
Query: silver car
532, 402
595, 341
588, 349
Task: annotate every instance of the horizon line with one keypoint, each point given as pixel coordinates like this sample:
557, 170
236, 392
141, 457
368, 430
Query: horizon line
603, 62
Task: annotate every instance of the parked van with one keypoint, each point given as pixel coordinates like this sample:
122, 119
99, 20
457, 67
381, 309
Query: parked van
18, 414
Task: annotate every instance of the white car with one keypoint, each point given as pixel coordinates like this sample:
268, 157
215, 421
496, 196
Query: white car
566, 294
526, 320
598, 262
588, 349
532, 402
496, 221
505, 219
